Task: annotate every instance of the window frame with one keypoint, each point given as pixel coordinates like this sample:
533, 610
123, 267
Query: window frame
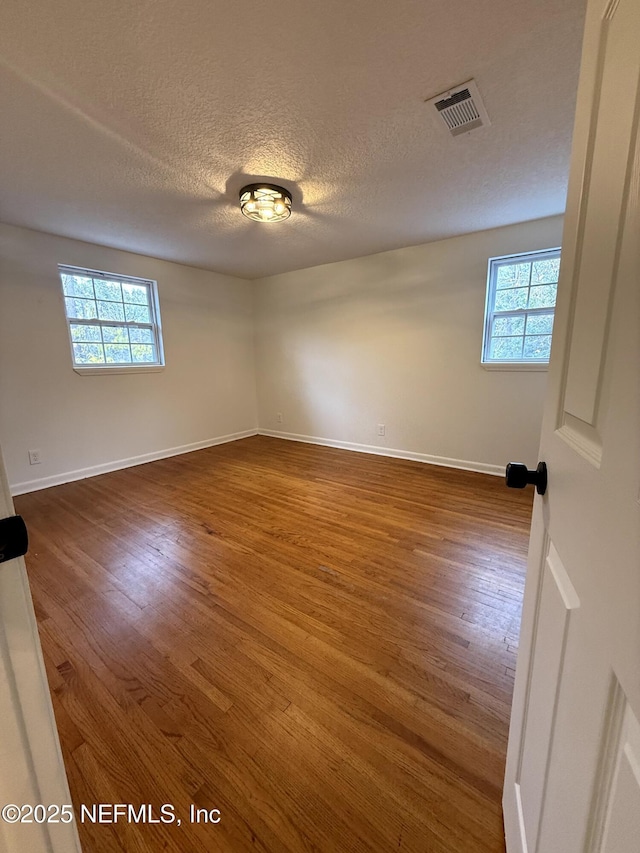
155, 325
490, 313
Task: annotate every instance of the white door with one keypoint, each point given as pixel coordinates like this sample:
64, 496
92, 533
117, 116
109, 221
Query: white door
573, 764
31, 768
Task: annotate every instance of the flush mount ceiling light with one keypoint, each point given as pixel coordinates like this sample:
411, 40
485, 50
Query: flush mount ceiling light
265, 202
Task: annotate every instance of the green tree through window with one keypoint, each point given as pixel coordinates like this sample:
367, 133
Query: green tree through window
113, 320
521, 299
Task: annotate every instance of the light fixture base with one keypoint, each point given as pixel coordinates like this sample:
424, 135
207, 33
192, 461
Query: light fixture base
265, 202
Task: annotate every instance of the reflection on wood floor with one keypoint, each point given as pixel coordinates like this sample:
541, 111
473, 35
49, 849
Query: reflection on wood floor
318, 643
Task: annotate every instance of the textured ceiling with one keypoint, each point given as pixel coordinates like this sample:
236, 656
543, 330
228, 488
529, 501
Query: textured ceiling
134, 124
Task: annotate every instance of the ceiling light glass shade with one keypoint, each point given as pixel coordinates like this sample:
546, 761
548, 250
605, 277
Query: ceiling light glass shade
265, 202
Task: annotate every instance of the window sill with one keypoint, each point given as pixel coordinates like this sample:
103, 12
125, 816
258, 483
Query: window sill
525, 366
110, 371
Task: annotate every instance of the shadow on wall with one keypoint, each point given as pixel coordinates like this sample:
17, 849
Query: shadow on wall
396, 339
352, 345
378, 283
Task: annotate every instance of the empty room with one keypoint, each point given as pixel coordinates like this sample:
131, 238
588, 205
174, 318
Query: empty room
319, 340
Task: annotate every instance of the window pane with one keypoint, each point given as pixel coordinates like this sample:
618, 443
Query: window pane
89, 334
508, 326
141, 336
142, 352
135, 293
81, 309
108, 316
543, 296
512, 275
545, 272
88, 353
537, 346
115, 335
510, 300
137, 314
77, 285
540, 324
117, 353
111, 311
521, 296
109, 290
508, 348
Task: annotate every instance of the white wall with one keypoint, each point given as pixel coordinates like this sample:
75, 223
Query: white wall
206, 391
395, 338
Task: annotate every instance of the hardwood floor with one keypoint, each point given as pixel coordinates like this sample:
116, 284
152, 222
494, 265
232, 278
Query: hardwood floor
320, 644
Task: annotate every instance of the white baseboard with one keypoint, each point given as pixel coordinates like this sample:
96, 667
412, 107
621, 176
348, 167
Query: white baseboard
444, 461
105, 468
117, 465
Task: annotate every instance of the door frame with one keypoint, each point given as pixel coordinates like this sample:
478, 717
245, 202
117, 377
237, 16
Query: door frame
31, 765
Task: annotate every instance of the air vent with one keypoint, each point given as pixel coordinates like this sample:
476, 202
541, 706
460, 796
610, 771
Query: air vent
461, 109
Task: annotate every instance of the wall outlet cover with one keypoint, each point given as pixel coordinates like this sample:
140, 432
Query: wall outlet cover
35, 457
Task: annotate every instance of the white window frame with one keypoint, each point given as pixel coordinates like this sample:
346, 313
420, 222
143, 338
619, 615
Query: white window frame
155, 325
490, 313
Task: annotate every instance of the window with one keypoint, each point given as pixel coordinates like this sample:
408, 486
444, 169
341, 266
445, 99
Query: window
521, 299
114, 320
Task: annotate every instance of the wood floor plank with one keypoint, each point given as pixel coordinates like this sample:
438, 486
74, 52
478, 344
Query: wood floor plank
319, 643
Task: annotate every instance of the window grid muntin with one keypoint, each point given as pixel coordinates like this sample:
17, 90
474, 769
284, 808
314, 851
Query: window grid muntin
491, 314
151, 304
102, 324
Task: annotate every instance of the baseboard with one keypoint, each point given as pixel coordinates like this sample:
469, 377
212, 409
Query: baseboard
117, 465
444, 461
105, 468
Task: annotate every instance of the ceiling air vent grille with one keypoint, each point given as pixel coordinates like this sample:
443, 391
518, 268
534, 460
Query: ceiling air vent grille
461, 108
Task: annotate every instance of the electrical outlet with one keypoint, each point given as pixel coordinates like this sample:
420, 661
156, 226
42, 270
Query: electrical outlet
381, 429
279, 417
35, 457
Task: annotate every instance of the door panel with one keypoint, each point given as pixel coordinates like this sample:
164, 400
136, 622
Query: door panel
606, 180
622, 817
617, 816
557, 601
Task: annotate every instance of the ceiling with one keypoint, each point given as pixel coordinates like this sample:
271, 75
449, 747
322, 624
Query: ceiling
135, 124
